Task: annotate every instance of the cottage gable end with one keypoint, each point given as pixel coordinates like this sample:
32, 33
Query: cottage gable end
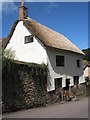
29, 52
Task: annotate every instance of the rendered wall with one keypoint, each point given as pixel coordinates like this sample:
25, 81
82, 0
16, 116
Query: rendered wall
30, 52
68, 71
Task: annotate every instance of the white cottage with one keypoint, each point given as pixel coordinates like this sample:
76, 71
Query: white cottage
35, 43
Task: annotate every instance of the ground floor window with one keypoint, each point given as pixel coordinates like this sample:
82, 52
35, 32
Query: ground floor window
76, 80
58, 83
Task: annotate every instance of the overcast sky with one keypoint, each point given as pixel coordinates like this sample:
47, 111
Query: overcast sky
69, 19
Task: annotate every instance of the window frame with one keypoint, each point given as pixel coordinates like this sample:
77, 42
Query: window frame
58, 82
78, 63
60, 60
29, 39
76, 80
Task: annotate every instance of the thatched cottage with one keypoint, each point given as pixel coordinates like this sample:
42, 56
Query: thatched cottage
36, 43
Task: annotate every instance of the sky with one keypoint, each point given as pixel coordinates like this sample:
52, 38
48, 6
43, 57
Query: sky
67, 18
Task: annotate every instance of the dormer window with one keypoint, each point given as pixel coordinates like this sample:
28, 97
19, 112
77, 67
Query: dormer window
28, 39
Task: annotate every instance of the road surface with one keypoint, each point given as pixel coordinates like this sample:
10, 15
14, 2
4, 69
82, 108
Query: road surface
74, 109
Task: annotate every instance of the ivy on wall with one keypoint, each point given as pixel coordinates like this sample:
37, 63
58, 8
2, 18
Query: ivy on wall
23, 85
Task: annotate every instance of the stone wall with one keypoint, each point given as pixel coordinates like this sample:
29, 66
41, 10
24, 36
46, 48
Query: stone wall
24, 87
80, 90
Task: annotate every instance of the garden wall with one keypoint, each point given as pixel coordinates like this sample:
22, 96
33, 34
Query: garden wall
24, 86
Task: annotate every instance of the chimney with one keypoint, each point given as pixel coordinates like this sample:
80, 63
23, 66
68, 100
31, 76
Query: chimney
23, 11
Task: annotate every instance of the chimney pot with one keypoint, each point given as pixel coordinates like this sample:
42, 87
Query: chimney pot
23, 11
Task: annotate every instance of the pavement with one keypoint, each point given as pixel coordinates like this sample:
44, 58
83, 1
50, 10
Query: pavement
73, 109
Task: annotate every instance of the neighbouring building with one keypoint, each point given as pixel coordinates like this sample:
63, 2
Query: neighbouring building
36, 43
87, 71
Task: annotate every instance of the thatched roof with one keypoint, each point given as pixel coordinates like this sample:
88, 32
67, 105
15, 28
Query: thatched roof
47, 36
3, 41
50, 37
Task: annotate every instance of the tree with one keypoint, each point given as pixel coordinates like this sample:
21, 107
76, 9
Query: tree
87, 54
8, 53
8, 57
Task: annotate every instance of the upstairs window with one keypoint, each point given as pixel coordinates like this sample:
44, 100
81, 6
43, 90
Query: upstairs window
76, 80
58, 83
78, 63
28, 39
59, 60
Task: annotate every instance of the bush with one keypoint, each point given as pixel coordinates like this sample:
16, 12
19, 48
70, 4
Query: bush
8, 53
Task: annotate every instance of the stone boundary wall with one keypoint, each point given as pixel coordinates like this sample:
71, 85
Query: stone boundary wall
22, 90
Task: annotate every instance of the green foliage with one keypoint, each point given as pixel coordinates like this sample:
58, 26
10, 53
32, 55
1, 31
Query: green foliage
8, 54
19, 79
87, 54
7, 59
7, 65
38, 69
87, 80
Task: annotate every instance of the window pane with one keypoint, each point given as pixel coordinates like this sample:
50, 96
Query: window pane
59, 60
28, 39
76, 80
58, 82
78, 63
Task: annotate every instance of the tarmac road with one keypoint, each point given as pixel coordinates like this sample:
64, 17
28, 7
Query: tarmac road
74, 109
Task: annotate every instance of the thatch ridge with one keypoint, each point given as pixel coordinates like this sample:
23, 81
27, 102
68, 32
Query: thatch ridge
50, 37
46, 35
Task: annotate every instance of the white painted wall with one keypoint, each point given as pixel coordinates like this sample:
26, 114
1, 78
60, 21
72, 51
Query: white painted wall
30, 52
68, 71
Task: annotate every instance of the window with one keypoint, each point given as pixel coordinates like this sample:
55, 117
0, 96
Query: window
28, 39
78, 63
58, 82
76, 80
59, 60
